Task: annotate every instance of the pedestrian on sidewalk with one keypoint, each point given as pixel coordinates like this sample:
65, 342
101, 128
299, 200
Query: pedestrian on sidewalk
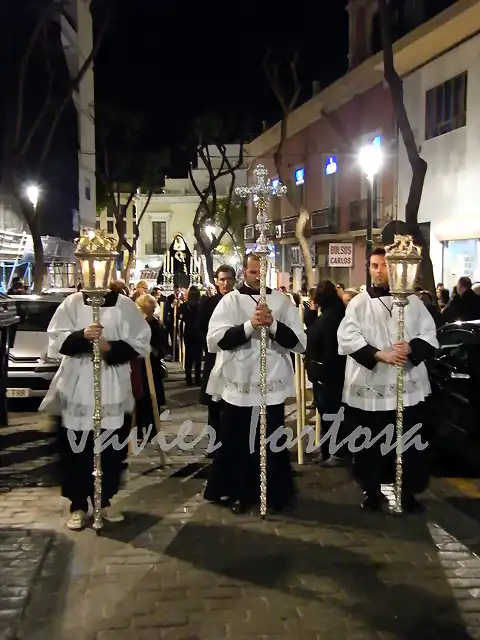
124, 335
189, 313
225, 278
324, 366
367, 335
143, 407
234, 334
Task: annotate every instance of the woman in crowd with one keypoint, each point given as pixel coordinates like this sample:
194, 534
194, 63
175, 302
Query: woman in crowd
193, 337
123, 336
325, 368
143, 408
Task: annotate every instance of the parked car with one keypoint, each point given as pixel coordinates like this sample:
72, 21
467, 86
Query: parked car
30, 371
455, 375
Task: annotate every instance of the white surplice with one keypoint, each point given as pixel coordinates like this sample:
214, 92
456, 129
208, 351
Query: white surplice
373, 321
71, 391
236, 375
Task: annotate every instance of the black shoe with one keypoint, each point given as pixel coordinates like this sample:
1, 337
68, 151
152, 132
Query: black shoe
372, 502
238, 508
412, 505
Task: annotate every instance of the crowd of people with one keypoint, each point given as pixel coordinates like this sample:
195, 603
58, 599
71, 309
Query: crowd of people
348, 338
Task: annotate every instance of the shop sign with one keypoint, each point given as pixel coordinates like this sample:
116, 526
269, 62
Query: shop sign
340, 254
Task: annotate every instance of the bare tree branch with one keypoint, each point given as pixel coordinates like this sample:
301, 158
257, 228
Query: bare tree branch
417, 163
273, 78
39, 29
74, 85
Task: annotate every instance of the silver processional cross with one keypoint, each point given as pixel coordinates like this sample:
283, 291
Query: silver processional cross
261, 191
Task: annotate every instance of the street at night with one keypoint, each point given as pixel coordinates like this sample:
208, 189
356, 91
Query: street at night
179, 568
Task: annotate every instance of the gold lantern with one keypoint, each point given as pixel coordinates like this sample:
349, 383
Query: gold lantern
403, 258
96, 253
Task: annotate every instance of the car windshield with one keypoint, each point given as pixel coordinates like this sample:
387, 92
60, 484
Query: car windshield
35, 315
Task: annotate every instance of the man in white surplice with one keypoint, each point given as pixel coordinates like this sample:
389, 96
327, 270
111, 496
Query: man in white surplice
368, 335
234, 334
124, 335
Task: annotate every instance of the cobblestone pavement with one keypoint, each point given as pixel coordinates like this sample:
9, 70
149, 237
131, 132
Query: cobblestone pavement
181, 569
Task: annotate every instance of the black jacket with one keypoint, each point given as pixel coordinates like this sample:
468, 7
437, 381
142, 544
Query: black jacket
465, 307
322, 345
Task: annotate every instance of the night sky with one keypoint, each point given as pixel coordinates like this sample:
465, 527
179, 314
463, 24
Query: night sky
170, 61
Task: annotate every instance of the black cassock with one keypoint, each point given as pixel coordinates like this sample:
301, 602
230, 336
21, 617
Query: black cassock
235, 472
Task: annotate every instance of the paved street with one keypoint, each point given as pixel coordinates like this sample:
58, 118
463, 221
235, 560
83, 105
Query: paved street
180, 569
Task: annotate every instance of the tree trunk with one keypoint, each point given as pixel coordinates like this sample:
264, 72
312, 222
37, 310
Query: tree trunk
417, 163
209, 264
39, 269
129, 265
303, 242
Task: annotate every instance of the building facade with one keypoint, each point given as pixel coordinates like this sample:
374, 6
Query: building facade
325, 135
441, 101
172, 212
77, 40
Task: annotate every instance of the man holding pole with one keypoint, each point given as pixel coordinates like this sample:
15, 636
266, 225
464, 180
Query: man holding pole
368, 335
234, 334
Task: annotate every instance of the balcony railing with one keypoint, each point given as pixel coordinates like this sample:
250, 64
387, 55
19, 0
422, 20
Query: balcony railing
358, 214
155, 249
324, 220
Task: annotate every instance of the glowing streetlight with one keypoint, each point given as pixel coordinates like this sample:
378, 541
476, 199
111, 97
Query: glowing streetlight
32, 193
210, 231
370, 159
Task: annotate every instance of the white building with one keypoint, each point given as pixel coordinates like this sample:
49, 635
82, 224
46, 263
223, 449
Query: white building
442, 98
173, 211
77, 40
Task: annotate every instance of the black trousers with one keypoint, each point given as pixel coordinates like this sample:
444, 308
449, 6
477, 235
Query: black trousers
372, 467
76, 467
235, 471
193, 362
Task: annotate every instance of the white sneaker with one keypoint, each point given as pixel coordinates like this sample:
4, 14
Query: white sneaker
110, 514
76, 520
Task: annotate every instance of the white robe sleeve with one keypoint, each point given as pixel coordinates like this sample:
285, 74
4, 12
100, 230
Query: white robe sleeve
349, 335
291, 318
135, 330
223, 318
62, 325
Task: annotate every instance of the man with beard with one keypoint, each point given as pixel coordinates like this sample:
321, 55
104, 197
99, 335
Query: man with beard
225, 278
368, 335
234, 335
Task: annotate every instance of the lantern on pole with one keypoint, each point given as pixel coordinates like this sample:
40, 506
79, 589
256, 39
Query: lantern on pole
96, 254
403, 258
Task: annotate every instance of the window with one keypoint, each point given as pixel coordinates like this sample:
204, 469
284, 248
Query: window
159, 237
446, 107
97, 224
110, 228
88, 189
330, 182
300, 177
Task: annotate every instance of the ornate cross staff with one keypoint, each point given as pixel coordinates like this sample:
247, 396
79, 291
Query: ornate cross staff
261, 190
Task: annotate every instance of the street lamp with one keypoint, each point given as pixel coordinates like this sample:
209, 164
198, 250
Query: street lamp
32, 194
97, 254
210, 231
370, 159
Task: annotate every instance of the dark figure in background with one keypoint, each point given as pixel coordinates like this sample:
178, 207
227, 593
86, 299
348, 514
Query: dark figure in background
225, 277
465, 306
192, 336
325, 367
312, 313
143, 408
426, 298
170, 318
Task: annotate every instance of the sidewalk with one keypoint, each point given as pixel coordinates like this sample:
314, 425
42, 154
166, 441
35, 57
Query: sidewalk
181, 569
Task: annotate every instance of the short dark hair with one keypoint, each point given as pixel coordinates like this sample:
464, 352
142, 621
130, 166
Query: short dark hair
465, 281
326, 291
226, 268
247, 256
378, 251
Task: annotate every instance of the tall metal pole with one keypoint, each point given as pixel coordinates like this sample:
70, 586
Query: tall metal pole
261, 190
369, 240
